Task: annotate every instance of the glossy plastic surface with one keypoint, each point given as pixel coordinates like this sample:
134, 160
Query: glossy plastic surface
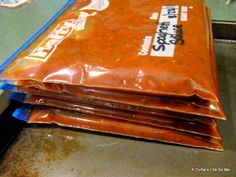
159, 121
100, 47
190, 105
119, 106
102, 124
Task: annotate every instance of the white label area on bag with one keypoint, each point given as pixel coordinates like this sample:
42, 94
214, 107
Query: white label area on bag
98, 5
184, 13
63, 30
165, 37
60, 33
154, 16
146, 45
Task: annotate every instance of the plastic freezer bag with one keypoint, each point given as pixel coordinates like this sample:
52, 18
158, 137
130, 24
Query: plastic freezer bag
122, 107
190, 105
48, 115
154, 47
159, 121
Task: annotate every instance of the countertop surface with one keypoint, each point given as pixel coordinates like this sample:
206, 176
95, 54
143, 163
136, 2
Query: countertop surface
222, 13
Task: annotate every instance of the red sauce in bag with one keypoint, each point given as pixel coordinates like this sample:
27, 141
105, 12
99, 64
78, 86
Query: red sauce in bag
119, 106
103, 124
191, 127
182, 105
145, 46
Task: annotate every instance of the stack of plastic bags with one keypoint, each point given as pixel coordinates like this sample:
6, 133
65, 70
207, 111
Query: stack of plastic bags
143, 69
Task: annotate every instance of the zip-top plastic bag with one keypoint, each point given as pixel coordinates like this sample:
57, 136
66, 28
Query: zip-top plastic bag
191, 105
181, 125
110, 105
153, 47
47, 115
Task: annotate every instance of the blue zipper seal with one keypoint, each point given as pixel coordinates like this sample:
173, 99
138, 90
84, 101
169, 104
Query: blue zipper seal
17, 96
36, 35
23, 113
5, 86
